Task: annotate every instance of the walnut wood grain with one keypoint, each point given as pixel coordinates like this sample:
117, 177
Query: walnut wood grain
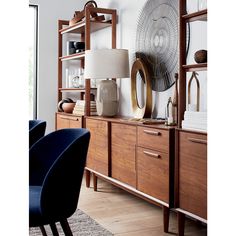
68, 121
156, 139
98, 153
123, 141
193, 173
153, 173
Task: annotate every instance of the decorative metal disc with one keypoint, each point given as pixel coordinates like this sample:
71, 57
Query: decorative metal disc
157, 41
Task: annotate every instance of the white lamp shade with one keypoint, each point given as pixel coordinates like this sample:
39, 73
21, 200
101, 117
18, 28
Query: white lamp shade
106, 63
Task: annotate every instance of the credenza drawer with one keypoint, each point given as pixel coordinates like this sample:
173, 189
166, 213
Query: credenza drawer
152, 138
193, 173
153, 173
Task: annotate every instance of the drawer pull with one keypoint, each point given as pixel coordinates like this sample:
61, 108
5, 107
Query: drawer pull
69, 118
196, 140
152, 154
152, 132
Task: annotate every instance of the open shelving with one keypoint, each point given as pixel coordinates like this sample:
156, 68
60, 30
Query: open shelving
84, 28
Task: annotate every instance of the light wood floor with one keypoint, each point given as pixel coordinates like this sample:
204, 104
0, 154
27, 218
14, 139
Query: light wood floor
126, 215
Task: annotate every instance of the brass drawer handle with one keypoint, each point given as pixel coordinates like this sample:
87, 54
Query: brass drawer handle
152, 154
196, 140
152, 132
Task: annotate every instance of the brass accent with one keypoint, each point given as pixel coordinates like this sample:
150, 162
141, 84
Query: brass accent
151, 132
146, 110
194, 76
152, 154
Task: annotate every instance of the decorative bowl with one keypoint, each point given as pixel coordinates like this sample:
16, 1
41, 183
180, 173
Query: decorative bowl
200, 56
68, 107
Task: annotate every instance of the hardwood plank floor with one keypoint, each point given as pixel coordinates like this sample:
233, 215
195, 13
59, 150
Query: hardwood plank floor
126, 215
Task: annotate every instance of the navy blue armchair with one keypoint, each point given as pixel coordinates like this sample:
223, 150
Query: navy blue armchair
36, 130
56, 166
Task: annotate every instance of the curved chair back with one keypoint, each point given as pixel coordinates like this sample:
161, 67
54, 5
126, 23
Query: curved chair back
56, 162
36, 130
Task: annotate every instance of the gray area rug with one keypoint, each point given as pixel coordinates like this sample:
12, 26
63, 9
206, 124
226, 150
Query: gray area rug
80, 224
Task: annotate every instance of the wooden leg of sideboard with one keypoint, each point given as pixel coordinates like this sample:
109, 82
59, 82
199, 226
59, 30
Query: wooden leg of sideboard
95, 181
166, 214
181, 222
87, 175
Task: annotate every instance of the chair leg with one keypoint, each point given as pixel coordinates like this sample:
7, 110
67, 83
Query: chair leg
66, 227
43, 231
54, 229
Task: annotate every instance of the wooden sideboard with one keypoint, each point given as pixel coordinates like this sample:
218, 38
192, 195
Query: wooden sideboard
191, 176
166, 166
135, 157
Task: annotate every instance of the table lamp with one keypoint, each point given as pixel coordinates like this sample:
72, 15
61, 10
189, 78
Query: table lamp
106, 64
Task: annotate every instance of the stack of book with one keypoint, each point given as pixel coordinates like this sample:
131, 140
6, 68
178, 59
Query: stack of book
195, 120
80, 108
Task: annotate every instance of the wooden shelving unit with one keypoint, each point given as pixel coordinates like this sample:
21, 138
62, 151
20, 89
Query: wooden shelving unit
191, 146
184, 67
84, 28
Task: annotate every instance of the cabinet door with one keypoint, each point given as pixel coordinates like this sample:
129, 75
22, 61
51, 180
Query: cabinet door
62, 122
193, 173
123, 143
153, 173
98, 153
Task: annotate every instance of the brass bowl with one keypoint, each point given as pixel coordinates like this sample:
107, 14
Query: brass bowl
200, 56
68, 107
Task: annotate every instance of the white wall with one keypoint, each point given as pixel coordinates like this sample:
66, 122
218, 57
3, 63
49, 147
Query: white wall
128, 11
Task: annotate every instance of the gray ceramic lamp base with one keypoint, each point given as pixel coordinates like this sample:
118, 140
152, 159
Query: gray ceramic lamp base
107, 102
107, 108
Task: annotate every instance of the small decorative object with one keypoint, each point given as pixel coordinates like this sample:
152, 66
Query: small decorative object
146, 110
70, 47
79, 15
193, 107
79, 46
201, 56
65, 100
76, 82
175, 100
68, 107
169, 108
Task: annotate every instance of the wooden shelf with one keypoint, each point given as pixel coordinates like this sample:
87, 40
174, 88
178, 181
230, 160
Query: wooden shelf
75, 56
79, 27
196, 16
74, 89
195, 67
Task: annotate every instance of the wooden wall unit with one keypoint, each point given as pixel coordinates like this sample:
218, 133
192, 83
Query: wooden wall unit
191, 146
141, 160
123, 144
84, 29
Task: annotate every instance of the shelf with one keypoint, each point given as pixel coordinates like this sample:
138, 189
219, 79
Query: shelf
195, 67
196, 16
75, 56
79, 27
74, 89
